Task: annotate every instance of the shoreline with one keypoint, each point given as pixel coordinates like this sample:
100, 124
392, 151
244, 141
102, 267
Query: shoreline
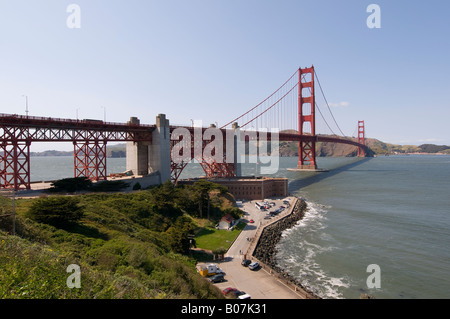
269, 238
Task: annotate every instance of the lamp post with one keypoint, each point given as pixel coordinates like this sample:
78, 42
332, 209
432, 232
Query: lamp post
104, 114
26, 104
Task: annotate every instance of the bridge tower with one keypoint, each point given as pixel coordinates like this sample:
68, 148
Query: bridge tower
361, 139
306, 119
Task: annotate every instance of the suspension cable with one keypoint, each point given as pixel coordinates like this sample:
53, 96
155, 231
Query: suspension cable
261, 102
320, 86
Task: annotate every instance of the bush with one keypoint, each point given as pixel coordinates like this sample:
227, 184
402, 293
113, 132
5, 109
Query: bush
109, 186
58, 211
71, 185
137, 186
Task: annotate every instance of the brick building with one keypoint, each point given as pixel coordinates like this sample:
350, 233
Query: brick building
251, 188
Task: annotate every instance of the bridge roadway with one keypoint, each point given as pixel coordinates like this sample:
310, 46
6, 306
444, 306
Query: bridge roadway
259, 284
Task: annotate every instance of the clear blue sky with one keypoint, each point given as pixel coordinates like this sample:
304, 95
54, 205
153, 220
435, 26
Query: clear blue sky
211, 60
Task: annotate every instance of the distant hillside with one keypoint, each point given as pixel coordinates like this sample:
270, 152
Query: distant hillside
113, 151
377, 147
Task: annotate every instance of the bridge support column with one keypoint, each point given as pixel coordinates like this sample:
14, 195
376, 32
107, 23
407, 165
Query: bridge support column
146, 157
159, 149
137, 154
237, 149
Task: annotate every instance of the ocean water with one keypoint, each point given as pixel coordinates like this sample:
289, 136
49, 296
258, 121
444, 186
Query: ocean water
393, 212
50, 168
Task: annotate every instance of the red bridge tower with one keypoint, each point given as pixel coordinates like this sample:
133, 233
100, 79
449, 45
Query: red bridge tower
306, 120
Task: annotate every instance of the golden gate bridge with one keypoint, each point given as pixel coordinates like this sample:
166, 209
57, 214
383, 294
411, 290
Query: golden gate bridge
292, 109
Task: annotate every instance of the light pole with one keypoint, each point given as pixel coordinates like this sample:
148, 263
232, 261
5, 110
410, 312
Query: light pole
26, 104
104, 114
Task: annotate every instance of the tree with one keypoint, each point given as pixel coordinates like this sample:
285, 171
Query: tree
179, 234
59, 211
166, 197
203, 188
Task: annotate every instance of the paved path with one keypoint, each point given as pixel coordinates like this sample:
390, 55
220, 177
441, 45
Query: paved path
259, 284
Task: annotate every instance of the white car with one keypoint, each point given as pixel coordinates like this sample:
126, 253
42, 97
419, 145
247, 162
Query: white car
245, 296
253, 265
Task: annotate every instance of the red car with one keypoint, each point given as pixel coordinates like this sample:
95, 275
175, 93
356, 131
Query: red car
228, 290
251, 221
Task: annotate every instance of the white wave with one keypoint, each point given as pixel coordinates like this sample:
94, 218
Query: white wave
303, 244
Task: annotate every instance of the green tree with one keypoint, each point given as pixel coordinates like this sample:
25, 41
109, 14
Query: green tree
165, 198
59, 211
179, 233
202, 189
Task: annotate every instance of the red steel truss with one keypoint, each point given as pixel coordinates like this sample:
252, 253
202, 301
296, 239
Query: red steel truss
88, 136
90, 160
15, 164
210, 166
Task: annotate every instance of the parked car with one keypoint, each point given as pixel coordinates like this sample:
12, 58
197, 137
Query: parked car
246, 262
245, 296
217, 278
251, 221
228, 290
233, 291
253, 265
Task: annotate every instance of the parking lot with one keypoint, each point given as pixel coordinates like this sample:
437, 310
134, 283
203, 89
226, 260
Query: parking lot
257, 283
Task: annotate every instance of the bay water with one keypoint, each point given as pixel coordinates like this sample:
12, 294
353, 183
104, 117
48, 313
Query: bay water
389, 211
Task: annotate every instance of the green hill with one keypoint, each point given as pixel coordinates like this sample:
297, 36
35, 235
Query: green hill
132, 245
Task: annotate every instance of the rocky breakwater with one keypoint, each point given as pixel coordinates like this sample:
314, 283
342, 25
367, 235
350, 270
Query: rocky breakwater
265, 250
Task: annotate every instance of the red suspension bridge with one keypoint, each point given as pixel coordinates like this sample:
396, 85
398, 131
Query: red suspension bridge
154, 148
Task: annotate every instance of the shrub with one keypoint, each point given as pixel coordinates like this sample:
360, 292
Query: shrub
71, 185
109, 186
137, 186
58, 211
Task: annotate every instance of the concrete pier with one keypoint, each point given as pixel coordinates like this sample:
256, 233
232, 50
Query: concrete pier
150, 157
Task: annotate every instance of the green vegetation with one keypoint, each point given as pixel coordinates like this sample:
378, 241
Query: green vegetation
212, 239
57, 211
133, 245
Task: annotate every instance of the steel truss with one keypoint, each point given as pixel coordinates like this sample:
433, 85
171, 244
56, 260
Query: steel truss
90, 160
89, 138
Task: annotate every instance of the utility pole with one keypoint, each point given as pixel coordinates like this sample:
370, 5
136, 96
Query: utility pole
14, 211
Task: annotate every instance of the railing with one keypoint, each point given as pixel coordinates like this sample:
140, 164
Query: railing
71, 121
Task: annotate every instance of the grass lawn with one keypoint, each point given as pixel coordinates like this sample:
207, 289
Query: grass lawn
211, 238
